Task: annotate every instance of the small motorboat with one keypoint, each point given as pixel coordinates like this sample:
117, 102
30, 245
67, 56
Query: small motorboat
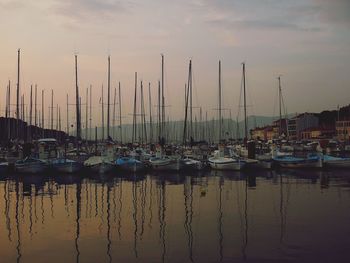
31, 165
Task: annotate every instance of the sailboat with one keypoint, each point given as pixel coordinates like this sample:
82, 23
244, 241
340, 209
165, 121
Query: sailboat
30, 165
312, 160
104, 162
189, 163
163, 162
336, 162
65, 165
219, 161
3, 165
130, 164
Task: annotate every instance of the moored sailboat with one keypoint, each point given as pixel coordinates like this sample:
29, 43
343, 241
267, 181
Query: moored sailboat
30, 165
65, 165
99, 164
336, 162
310, 161
130, 164
219, 162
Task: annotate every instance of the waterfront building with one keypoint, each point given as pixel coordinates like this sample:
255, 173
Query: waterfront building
343, 130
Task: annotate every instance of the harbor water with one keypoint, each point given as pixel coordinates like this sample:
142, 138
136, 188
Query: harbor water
267, 216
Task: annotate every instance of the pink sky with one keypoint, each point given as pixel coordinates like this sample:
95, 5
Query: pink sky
307, 42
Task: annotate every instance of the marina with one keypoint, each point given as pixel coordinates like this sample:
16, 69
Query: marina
174, 131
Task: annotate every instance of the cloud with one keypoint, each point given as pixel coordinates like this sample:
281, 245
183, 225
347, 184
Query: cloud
334, 11
11, 4
296, 15
85, 10
262, 24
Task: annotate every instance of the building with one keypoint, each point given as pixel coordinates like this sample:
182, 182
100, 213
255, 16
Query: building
343, 130
271, 132
258, 133
317, 133
283, 126
302, 126
300, 123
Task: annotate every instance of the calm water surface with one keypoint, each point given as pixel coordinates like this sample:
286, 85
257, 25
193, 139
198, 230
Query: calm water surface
210, 217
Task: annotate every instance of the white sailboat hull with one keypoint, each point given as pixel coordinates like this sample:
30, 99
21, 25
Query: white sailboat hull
226, 164
166, 165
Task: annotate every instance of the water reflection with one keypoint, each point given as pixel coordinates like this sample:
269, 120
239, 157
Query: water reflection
210, 217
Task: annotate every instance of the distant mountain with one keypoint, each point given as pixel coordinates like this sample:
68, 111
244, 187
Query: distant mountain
174, 129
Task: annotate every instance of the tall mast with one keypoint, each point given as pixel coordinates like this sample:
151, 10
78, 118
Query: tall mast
103, 118
31, 105
280, 104
8, 110
184, 136
51, 109
201, 127
77, 100
42, 112
17, 102
159, 113
163, 99
8, 100
143, 115
150, 114
190, 97
6, 104
108, 94
134, 135
35, 106
22, 108
90, 121
18, 73
220, 118
30, 112
67, 116
86, 113
120, 115
141, 110
113, 119
57, 120
245, 104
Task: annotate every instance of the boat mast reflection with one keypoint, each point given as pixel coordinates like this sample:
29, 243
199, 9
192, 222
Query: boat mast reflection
109, 242
7, 199
77, 221
245, 238
220, 215
120, 209
18, 246
134, 215
161, 217
189, 215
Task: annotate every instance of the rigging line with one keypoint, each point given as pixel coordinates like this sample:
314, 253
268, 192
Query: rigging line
195, 87
251, 99
274, 104
240, 100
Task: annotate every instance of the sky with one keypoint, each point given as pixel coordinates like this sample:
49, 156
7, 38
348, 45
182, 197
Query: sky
307, 42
